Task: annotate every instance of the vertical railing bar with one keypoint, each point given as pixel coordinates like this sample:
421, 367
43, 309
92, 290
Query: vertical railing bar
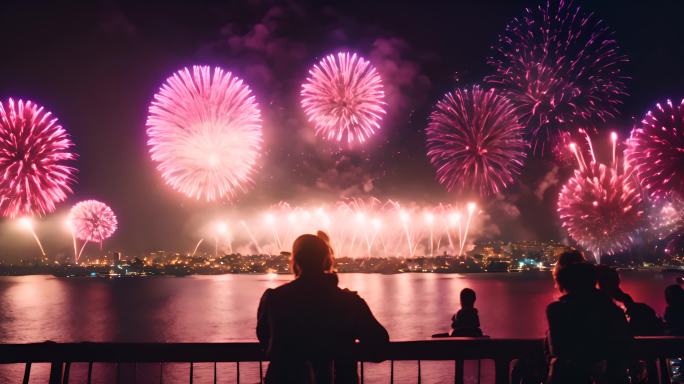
502, 371
90, 372
135, 372
261, 372
664, 371
238, 371
362, 376
118, 373
456, 371
391, 371
479, 370
56, 372
161, 372
419, 373
191, 371
27, 372
67, 368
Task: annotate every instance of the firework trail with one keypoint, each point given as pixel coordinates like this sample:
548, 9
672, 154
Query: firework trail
91, 221
561, 67
656, 151
475, 142
344, 99
27, 224
204, 133
600, 205
194, 251
34, 151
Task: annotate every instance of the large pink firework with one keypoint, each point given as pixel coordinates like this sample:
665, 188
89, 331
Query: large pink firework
91, 220
344, 99
475, 141
34, 153
656, 150
204, 133
561, 67
600, 205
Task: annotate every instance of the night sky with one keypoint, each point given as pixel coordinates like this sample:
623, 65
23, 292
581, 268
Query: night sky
97, 66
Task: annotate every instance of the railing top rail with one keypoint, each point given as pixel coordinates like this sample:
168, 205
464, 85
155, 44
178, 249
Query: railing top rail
246, 351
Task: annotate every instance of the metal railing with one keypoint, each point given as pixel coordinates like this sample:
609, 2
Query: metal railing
60, 356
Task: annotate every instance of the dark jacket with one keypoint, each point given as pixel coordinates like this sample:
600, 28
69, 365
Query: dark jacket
309, 327
674, 320
588, 339
466, 323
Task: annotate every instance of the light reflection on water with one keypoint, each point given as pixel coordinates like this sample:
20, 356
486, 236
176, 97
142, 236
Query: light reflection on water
223, 308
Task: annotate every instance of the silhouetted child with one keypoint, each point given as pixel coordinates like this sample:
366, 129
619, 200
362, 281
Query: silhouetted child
466, 322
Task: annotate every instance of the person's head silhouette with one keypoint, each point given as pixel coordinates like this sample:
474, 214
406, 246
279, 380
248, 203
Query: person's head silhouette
608, 280
467, 298
576, 278
311, 256
674, 295
566, 258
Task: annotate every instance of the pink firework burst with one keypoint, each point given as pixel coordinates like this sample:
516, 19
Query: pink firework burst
343, 97
34, 151
91, 220
656, 150
475, 141
600, 205
204, 133
561, 67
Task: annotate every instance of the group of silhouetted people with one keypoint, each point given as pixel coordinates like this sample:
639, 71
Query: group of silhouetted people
312, 330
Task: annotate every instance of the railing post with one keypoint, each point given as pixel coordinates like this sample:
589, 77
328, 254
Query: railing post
90, 372
391, 371
664, 371
502, 372
56, 372
459, 367
420, 376
67, 368
27, 373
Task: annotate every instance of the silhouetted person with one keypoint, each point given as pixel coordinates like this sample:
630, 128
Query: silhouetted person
643, 320
309, 326
533, 369
588, 336
466, 322
674, 312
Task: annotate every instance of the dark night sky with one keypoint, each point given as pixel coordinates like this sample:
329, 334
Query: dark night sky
97, 66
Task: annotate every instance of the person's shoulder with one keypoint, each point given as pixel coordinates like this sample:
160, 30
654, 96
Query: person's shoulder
280, 290
556, 308
350, 297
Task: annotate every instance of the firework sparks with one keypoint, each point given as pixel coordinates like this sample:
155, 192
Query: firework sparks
204, 133
91, 221
561, 67
34, 150
600, 206
362, 228
343, 97
656, 150
475, 141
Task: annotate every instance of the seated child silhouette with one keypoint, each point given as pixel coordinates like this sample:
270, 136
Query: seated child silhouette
466, 322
